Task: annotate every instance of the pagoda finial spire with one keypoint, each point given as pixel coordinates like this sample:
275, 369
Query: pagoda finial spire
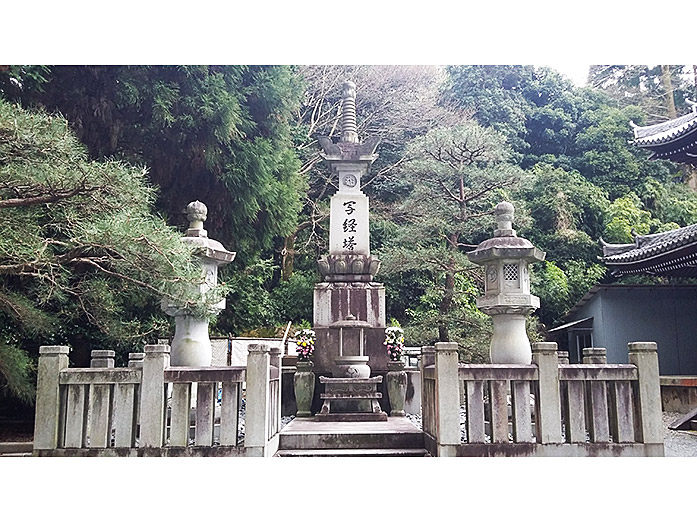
349, 128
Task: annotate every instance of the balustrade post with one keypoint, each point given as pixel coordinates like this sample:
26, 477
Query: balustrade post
595, 355
647, 393
275, 360
257, 399
52, 360
428, 356
153, 402
548, 403
102, 359
596, 397
447, 399
100, 401
135, 360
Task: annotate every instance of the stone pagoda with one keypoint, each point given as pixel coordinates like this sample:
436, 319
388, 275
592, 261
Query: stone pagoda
348, 292
349, 307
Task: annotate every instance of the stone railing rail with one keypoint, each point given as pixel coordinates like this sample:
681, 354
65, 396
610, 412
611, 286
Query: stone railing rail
103, 410
547, 408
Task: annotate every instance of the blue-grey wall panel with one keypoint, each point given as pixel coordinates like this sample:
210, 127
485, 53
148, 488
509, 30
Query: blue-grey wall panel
686, 328
666, 315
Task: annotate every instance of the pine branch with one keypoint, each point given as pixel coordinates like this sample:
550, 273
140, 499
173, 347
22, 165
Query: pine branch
46, 198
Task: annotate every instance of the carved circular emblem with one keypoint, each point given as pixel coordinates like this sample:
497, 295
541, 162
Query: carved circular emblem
350, 180
491, 274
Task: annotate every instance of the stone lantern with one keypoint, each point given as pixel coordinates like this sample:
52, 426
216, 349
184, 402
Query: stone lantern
507, 298
191, 346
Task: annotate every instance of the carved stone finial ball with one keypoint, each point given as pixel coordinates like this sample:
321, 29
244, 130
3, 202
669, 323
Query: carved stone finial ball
504, 215
196, 212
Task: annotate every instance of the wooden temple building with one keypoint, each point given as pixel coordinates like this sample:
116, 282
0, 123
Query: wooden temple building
670, 253
612, 315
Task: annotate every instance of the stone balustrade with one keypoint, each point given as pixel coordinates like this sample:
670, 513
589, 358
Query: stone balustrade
147, 408
546, 408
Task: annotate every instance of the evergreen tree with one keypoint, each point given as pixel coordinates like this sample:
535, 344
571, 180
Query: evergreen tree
218, 134
83, 261
458, 174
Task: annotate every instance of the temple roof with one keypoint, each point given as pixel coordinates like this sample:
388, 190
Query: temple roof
672, 140
671, 253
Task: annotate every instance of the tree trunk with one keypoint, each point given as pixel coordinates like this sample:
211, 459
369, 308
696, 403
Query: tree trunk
668, 88
688, 172
288, 257
446, 305
690, 175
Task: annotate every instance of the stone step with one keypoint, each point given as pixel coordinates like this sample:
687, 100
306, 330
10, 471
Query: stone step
16, 448
353, 453
350, 441
351, 416
350, 396
308, 434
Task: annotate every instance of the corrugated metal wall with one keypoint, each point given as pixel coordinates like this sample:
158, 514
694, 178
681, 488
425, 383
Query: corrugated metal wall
666, 315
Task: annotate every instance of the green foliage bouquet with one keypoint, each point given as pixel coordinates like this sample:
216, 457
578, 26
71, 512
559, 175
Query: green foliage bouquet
394, 342
305, 340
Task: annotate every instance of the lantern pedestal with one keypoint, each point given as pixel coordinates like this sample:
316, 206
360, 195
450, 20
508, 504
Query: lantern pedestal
191, 341
509, 342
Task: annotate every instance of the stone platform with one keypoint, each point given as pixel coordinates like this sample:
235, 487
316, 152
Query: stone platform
356, 399
394, 437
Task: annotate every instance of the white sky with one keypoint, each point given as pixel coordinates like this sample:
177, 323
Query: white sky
348, 32
577, 73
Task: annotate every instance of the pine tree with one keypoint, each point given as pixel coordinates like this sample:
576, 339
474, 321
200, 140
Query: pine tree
83, 261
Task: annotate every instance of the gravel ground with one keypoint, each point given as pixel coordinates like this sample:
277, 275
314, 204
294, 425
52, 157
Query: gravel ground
678, 443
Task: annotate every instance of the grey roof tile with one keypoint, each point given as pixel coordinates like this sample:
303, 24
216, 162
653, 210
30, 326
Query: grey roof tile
666, 131
650, 245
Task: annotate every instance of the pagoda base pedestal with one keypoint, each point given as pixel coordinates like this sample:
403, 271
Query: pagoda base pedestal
351, 399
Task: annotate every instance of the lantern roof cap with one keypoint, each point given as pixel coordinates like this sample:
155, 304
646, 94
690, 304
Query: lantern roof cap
197, 236
505, 243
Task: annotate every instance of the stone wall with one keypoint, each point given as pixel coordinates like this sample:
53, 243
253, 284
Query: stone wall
679, 393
